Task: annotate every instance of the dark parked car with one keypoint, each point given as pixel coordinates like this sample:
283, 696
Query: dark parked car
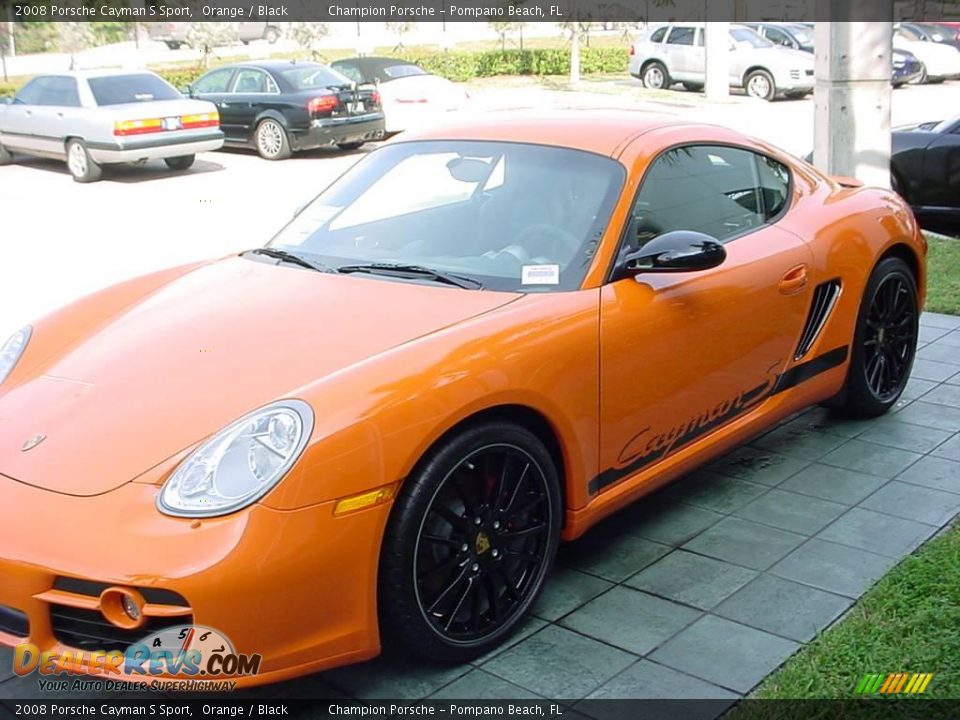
279, 107
929, 32
925, 170
799, 36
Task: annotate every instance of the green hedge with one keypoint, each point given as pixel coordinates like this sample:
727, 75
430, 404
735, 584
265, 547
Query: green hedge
462, 66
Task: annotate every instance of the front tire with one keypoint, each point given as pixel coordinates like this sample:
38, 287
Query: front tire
272, 140
885, 342
82, 167
173, 45
182, 162
760, 84
469, 543
655, 76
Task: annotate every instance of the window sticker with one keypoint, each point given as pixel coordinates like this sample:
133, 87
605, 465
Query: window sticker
540, 275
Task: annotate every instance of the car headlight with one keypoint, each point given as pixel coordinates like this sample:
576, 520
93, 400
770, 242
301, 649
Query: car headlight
12, 349
240, 464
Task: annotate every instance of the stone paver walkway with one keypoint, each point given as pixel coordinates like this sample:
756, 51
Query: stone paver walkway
705, 588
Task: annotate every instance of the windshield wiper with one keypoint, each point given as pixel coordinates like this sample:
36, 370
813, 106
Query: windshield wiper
417, 271
292, 257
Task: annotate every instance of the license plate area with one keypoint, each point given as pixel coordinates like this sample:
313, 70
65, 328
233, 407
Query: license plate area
172, 123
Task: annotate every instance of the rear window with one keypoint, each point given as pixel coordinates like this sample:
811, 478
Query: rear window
314, 76
122, 89
401, 71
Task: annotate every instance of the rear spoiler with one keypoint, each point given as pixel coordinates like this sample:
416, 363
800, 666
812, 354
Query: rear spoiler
847, 182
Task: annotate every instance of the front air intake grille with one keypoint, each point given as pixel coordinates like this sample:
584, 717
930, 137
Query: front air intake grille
824, 298
94, 588
14, 621
89, 630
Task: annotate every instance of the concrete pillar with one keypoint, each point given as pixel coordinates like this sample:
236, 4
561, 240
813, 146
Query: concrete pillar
717, 45
852, 96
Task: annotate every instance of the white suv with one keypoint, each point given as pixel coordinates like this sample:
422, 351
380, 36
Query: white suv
674, 53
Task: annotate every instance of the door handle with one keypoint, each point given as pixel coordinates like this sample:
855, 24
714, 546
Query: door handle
794, 280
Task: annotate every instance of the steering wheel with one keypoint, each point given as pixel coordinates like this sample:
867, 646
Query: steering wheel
555, 241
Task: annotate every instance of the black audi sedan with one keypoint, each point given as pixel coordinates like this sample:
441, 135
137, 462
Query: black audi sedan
279, 107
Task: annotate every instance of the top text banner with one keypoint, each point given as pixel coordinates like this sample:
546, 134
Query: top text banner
557, 11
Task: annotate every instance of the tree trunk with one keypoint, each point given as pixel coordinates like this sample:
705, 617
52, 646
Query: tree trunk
575, 54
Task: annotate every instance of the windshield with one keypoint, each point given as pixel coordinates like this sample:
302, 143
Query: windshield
308, 77
745, 34
393, 72
803, 35
511, 216
123, 89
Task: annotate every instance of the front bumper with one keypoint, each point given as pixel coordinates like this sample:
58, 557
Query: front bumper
297, 587
333, 131
138, 150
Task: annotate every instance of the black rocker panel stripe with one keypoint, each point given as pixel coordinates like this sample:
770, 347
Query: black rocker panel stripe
750, 399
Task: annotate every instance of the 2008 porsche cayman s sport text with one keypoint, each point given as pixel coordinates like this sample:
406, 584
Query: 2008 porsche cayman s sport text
479, 341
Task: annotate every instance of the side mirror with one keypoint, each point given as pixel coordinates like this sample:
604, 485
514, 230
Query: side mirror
187, 90
676, 251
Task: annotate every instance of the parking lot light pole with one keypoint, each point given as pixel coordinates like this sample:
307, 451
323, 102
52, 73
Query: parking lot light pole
852, 95
717, 45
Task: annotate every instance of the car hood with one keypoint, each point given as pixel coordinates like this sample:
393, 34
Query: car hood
191, 357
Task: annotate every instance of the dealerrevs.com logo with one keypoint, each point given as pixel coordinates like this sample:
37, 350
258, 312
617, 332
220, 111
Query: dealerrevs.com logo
183, 657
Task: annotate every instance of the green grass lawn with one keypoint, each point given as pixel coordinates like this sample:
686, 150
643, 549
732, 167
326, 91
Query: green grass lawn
908, 622
943, 266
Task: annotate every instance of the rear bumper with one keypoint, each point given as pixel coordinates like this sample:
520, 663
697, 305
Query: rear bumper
154, 149
326, 132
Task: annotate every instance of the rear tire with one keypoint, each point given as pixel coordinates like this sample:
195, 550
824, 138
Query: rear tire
470, 540
884, 343
173, 45
82, 167
760, 84
272, 141
655, 76
182, 162
352, 145
6, 157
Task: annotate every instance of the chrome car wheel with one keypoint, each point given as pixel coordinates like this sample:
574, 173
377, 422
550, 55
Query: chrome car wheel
483, 543
272, 142
654, 77
759, 86
77, 159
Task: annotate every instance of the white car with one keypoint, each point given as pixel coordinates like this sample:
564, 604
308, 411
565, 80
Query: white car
96, 117
410, 96
940, 61
675, 53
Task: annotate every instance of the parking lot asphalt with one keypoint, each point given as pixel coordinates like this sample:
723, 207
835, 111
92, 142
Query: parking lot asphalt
704, 588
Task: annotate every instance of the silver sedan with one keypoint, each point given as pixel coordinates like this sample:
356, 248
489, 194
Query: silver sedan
93, 118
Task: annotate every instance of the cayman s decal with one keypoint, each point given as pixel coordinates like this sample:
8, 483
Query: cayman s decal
648, 446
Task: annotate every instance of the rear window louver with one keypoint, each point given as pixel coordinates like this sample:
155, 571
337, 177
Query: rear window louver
824, 298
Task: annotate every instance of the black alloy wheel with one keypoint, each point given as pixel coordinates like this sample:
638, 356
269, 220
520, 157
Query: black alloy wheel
469, 543
891, 337
884, 343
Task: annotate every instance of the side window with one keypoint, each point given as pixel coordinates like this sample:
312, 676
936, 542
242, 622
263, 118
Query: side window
214, 82
61, 91
718, 190
774, 185
253, 81
658, 34
681, 36
777, 37
31, 93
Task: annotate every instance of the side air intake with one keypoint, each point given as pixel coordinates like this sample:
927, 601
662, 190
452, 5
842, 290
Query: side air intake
824, 298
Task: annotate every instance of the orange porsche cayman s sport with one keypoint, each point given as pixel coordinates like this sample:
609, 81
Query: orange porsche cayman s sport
480, 340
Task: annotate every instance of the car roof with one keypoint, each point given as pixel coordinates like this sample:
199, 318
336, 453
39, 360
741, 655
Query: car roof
102, 72
598, 131
373, 61
274, 64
